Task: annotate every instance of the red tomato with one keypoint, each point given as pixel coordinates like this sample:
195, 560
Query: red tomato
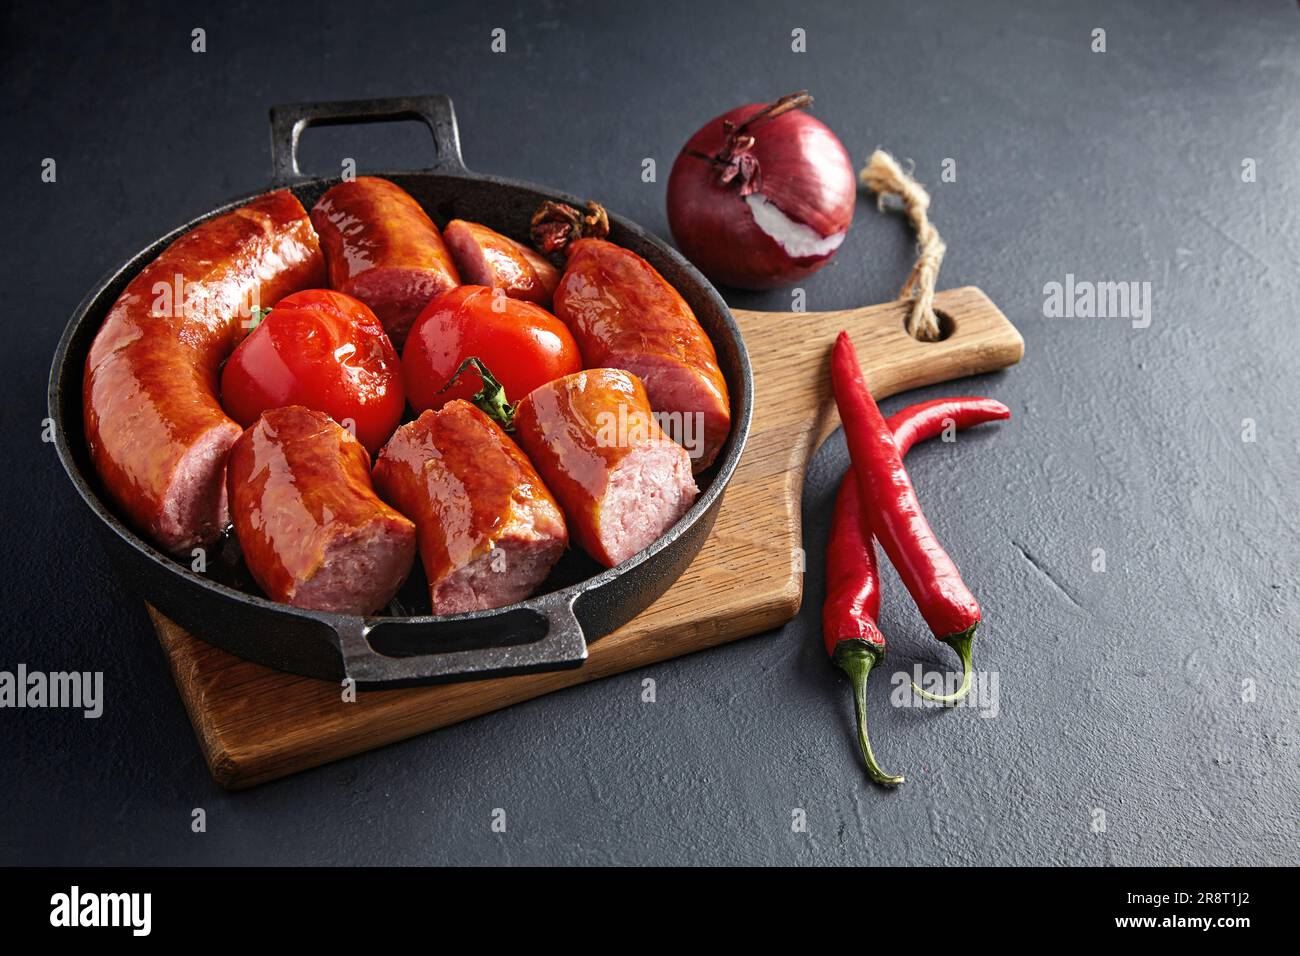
521, 344
324, 350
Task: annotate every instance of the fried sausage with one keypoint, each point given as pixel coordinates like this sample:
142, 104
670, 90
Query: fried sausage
489, 529
383, 249
621, 481
485, 257
157, 435
312, 530
624, 314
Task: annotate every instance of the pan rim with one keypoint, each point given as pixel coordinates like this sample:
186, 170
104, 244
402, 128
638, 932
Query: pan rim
724, 468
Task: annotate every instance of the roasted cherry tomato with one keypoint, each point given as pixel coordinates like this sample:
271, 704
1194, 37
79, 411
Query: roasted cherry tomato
522, 344
324, 350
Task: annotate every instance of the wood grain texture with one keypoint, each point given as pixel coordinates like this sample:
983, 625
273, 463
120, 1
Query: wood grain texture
255, 724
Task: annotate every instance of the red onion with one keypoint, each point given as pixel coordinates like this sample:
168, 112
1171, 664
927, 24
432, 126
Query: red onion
761, 196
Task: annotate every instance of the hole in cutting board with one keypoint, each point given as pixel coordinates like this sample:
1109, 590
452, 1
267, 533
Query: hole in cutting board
947, 325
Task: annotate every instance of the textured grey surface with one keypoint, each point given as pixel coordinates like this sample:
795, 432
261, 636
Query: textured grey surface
1119, 691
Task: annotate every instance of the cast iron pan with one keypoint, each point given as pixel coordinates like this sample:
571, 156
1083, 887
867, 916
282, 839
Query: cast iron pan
404, 645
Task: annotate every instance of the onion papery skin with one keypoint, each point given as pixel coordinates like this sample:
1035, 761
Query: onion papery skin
805, 172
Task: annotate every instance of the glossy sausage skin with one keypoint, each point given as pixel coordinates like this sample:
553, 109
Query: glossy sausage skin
383, 249
489, 529
621, 481
624, 314
312, 530
485, 257
157, 435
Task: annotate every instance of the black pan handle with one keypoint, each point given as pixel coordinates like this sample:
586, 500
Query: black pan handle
544, 635
289, 120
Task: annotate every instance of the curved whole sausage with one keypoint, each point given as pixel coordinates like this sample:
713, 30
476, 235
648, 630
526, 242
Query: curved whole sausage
624, 314
312, 530
489, 529
383, 249
621, 481
485, 257
157, 435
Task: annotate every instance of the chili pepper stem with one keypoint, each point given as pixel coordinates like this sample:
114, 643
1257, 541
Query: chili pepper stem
961, 643
856, 658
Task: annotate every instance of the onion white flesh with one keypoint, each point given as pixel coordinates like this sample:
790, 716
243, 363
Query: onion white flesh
798, 240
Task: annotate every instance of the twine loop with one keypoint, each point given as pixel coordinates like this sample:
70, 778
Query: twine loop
884, 177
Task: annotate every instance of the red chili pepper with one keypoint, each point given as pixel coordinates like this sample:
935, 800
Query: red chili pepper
853, 640
924, 420
896, 518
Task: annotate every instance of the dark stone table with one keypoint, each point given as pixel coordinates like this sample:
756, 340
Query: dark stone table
1158, 696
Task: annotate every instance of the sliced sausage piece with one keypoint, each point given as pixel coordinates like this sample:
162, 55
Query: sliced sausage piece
624, 314
383, 249
490, 532
157, 434
313, 532
621, 481
485, 257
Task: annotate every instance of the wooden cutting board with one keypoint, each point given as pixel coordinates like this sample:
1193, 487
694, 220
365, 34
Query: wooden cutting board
255, 724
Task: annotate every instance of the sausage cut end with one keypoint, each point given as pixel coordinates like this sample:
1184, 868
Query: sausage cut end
648, 492
510, 572
361, 569
195, 508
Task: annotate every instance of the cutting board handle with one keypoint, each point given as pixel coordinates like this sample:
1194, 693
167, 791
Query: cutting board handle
794, 409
